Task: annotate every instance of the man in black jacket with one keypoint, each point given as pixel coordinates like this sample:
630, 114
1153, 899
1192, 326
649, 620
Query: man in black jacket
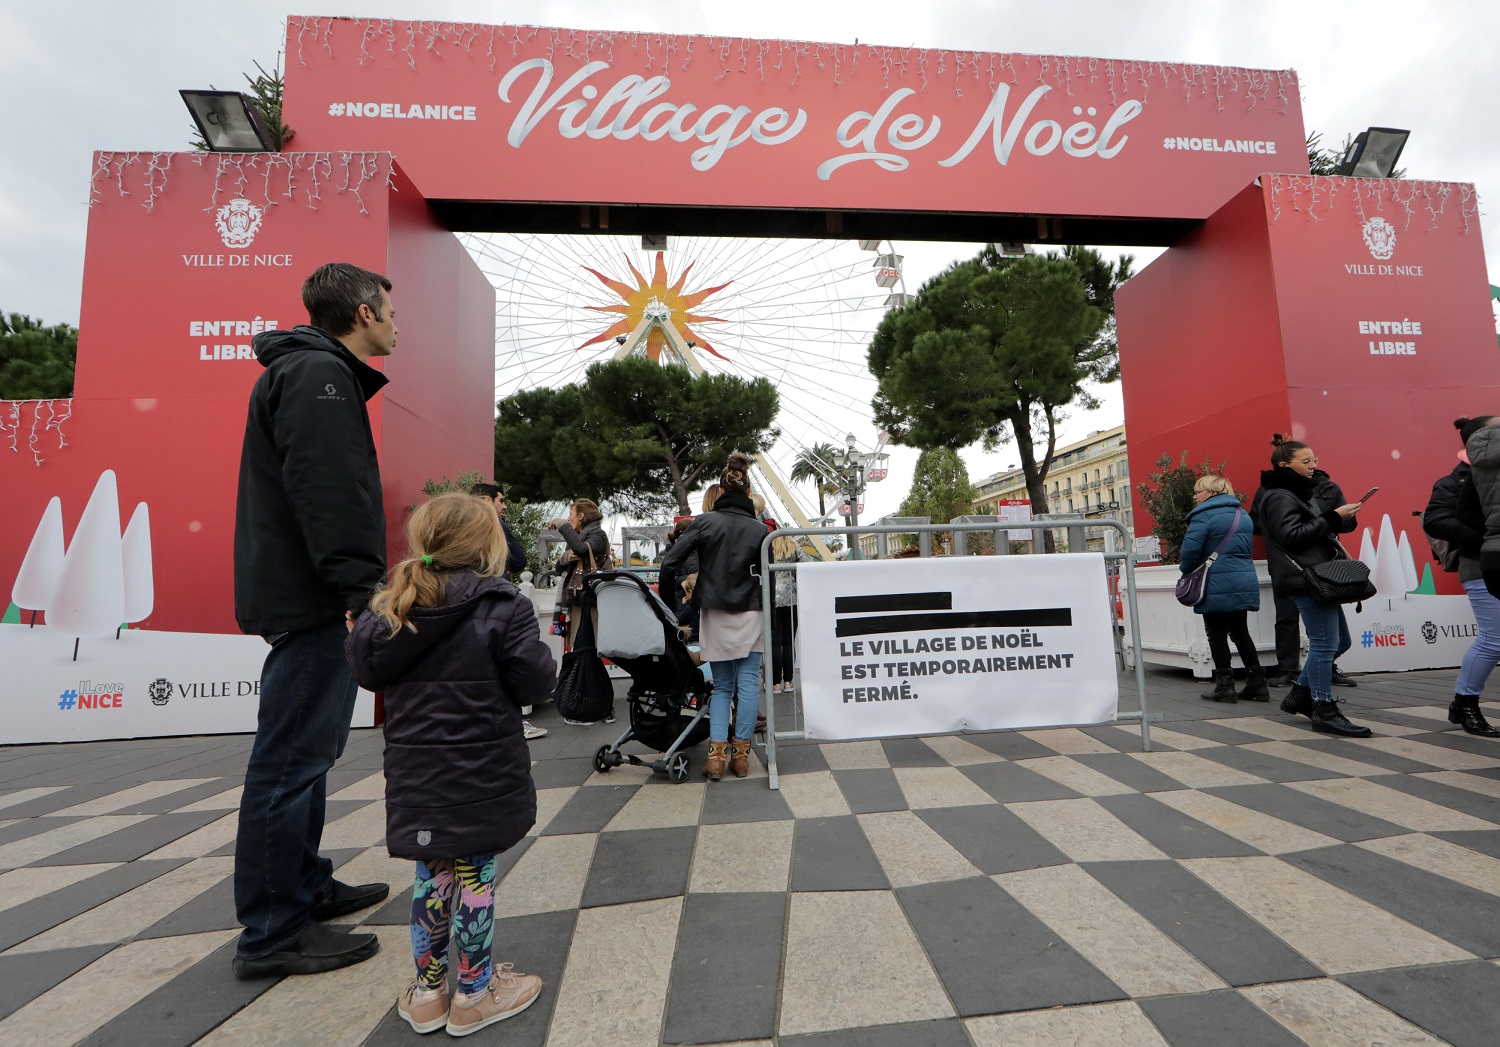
309, 548
515, 552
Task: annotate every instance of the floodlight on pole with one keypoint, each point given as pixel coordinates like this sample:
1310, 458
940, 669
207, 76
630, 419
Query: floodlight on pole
1373, 153
229, 122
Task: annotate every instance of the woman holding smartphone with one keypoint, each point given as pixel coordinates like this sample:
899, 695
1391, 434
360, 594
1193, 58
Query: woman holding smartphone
1301, 514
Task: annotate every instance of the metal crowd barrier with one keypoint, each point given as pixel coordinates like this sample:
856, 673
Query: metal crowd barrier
1119, 564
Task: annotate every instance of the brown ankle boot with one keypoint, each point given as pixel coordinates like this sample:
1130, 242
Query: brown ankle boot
739, 760
713, 767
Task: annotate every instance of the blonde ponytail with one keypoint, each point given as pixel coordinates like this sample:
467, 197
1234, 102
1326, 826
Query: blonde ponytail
451, 532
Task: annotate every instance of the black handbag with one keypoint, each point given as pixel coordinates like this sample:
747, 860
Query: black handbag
1342, 580
584, 690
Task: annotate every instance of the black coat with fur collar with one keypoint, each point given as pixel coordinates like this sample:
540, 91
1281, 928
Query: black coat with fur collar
1296, 516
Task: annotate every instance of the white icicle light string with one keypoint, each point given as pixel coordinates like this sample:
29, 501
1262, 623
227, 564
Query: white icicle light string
282, 178
58, 411
744, 56
1427, 201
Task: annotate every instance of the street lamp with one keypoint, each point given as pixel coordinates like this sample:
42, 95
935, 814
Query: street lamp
853, 464
229, 122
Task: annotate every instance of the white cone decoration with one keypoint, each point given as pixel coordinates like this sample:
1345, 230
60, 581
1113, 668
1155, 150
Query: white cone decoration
1389, 578
90, 597
37, 580
140, 586
1367, 549
1408, 563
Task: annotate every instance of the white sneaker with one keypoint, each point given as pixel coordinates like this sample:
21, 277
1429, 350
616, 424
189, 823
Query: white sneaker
531, 732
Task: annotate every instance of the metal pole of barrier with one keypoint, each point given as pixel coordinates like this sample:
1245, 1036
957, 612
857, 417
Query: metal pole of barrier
1038, 527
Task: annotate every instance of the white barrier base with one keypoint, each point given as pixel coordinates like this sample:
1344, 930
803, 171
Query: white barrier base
146, 684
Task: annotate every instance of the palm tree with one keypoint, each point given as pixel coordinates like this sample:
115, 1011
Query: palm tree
813, 463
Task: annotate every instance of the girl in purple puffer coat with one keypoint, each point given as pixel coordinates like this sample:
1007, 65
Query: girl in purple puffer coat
457, 651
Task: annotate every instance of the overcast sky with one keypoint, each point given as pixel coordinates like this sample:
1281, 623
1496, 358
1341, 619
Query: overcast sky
71, 84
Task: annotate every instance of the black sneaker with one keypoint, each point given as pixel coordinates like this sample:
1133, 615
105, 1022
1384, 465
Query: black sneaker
318, 949
1340, 680
1327, 717
344, 899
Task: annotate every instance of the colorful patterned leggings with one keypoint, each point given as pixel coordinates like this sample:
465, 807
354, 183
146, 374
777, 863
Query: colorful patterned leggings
454, 895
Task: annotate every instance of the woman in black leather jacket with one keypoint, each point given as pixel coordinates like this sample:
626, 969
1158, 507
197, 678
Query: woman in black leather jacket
1301, 513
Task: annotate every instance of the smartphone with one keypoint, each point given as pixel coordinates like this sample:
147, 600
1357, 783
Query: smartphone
1367, 496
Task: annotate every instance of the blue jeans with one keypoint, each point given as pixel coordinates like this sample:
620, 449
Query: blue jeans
306, 706
737, 678
1327, 638
1484, 654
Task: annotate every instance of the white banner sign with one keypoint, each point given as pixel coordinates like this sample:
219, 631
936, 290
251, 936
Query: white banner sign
891, 648
144, 684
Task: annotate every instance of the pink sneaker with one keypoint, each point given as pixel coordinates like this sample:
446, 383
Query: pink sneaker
508, 994
425, 1010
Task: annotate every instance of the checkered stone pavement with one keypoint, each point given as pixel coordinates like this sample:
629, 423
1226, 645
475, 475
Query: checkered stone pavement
1246, 883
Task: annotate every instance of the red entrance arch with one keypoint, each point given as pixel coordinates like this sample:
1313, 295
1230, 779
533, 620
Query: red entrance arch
1352, 312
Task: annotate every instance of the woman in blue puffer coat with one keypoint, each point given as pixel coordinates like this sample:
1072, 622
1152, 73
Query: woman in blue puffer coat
1233, 590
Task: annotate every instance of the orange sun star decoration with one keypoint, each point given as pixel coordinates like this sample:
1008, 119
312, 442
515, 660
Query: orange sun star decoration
633, 302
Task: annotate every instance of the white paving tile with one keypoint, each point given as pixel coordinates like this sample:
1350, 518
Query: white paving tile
126, 915
72, 1010
1470, 868
31, 849
1380, 801
1116, 1024
1196, 772
548, 877
228, 800
1433, 755
20, 886
958, 752
1312, 756
926, 787
362, 828
1069, 741
1332, 928
337, 1009
662, 806
202, 840
371, 787
1261, 831
1108, 933
853, 756
614, 990
112, 802
814, 795
1081, 778
548, 803
21, 796
910, 852
746, 856
852, 960
1085, 832
1477, 783
1327, 1013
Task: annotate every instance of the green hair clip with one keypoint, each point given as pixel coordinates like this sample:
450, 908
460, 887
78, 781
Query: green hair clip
427, 559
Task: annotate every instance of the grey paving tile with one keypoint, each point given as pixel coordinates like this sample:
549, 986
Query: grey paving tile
1451, 910
213, 909
833, 854
31, 827
635, 865
799, 757
1454, 1001
1119, 740
1216, 1019
1484, 841
67, 797
871, 790
741, 800
36, 916
186, 1008
911, 752
536, 945
1009, 783
1217, 731
993, 955
1175, 833
1010, 745
1453, 738
1127, 770
589, 809
947, 1032
1465, 800
27, 976
1263, 765
728, 952
396, 910
1202, 921
181, 798
1330, 819
558, 774
993, 838
334, 810
133, 841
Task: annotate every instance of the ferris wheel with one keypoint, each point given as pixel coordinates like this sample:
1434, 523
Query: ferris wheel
800, 313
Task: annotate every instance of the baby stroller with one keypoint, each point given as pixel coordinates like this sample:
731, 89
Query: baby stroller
668, 697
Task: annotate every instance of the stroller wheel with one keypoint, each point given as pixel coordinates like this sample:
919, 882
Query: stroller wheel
602, 763
677, 770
